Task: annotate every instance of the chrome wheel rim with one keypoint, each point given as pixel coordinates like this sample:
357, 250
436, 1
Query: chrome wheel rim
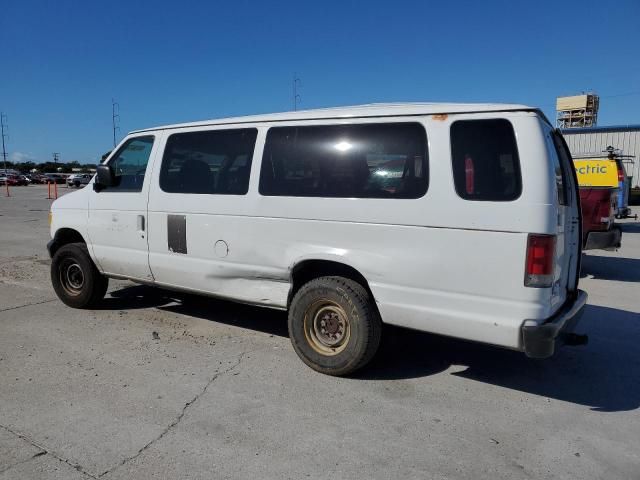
326, 327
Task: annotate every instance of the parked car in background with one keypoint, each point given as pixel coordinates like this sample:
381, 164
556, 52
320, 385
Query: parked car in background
624, 189
17, 180
11, 180
38, 178
78, 180
455, 219
25, 179
598, 179
70, 179
55, 178
598, 214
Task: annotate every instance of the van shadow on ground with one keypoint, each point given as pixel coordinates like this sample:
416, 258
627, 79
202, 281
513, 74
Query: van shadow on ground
604, 375
265, 320
610, 268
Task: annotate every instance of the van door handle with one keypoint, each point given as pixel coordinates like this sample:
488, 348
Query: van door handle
141, 223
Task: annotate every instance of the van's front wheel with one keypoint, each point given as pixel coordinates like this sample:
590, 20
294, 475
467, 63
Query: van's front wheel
334, 325
75, 278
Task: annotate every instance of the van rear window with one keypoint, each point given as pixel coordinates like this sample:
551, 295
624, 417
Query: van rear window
357, 161
486, 166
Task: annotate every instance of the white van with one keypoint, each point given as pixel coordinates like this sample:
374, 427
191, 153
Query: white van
456, 219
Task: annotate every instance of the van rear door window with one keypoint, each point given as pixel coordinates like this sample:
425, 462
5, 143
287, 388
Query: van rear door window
486, 166
208, 162
356, 161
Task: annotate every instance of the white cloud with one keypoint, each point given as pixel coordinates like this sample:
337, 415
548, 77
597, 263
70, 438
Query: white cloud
18, 157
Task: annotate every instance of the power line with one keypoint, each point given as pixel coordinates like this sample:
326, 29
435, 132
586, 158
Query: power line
628, 94
615, 95
115, 119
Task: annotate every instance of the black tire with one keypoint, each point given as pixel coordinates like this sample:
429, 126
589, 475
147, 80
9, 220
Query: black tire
75, 278
334, 325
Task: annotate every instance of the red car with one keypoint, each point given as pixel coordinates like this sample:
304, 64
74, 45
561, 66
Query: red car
10, 180
598, 213
19, 179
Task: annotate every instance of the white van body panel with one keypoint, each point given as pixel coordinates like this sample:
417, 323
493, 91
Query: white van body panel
438, 263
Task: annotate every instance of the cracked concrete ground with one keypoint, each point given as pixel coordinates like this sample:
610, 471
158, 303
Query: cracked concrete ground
217, 391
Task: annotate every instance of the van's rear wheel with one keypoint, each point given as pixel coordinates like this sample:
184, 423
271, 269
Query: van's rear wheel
75, 278
334, 325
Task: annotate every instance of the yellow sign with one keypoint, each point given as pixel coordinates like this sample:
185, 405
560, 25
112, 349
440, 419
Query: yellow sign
596, 172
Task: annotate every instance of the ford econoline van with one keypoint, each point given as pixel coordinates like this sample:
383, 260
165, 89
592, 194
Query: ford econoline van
457, 219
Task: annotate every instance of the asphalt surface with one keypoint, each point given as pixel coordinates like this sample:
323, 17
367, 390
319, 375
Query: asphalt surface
162, 385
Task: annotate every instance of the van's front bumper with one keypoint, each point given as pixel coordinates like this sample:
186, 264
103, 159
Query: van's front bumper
539, 340
609, 240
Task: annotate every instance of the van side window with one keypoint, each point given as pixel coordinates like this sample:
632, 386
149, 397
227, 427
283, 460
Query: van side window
357, 161
486, 165
208, 162
129, 164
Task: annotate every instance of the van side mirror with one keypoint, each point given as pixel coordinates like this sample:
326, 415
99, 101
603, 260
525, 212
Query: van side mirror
104, 178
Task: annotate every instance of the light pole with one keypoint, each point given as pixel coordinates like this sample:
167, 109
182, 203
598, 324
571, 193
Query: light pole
115, 119
3, 119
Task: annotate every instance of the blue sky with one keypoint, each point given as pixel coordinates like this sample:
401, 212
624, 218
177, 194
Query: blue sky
166, 61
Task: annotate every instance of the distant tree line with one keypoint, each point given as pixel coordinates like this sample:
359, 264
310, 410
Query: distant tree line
52, 167
49, 166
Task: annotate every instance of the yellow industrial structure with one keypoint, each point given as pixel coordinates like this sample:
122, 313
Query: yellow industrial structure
578, 111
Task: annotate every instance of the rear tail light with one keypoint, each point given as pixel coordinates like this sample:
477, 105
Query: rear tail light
620, 175
540, 261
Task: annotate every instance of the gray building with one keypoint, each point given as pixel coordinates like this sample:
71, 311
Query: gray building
593, 140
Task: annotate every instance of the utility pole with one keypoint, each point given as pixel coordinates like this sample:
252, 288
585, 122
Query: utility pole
3, 124
56, 157
296, 96
115, 119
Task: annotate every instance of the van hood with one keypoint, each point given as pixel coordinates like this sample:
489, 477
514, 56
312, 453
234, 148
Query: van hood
74, 200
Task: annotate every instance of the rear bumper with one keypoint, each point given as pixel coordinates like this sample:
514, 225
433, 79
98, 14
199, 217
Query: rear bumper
539, 340
609, 240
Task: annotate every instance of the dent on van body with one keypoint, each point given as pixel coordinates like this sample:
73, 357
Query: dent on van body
250, 283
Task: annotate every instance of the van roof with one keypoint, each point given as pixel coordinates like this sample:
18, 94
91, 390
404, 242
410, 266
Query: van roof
356, 111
